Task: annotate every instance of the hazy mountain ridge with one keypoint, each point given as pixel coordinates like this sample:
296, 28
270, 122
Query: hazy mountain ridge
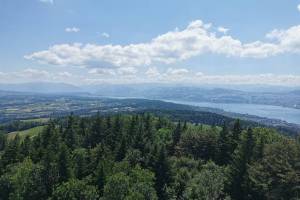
41, 87
283, 96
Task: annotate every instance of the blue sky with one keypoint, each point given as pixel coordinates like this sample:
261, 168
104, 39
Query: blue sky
192, 41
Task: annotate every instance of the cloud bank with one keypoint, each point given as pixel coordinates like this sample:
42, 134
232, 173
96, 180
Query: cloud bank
151, 75
30, 74
191, 77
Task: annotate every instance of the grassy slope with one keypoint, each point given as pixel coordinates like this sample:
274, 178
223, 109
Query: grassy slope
41, 120
31, 132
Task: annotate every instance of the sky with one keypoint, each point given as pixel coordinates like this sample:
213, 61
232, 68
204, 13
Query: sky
84, 42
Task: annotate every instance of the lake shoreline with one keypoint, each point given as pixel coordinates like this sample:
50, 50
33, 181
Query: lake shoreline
285, 114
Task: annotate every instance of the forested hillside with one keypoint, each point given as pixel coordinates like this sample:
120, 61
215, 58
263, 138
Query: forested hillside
136, 157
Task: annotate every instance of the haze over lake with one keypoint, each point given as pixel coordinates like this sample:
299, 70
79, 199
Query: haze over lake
290, 115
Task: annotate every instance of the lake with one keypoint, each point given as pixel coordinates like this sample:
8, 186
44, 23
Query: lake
290, 115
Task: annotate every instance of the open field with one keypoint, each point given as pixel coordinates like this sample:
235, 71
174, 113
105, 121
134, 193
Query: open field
29, 132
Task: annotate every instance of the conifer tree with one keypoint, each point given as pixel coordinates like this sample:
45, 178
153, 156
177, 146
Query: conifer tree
75, 189
122, 150
82, 127
159, 123
25, 146
50, 172
116, 133
82, 132
132, 130
108, 122
46, 134
96, 133
176, 137
237, 129
162, 173
184, 125
69, 134
149, 132
109, 132
3, 141
260, 148
239, 167
236, 133
80, 164
225, 146
64, 163
100, 174
177, 134
11, 152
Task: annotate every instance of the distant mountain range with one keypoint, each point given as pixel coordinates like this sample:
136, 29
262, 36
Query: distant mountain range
281, 97
41, 87
250, 94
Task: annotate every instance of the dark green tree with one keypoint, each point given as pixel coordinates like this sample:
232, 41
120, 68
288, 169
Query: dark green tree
236, 133
11, 153
277, 174
132, 130
239, 167
23, 181
163, 174
100, 177
184, 126
80, 162
3, 141
206, 185
46, 134
96, 133
177, 134
121, 150
75, 189
69, 134
118, 182
64, 163
149, 127
116, 134
225, 146
25, 146
137, 183
199, 145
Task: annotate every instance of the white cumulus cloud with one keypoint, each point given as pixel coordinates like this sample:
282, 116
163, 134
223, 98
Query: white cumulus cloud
47, 1
65, 74
125, 71
72, 29
177, 72
177, 45
152, 72
223, 30
102, 72
104, 34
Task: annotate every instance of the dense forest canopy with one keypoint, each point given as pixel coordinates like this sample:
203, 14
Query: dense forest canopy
135, 157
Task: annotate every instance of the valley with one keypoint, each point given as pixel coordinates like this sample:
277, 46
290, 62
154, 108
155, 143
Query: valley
27, 106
